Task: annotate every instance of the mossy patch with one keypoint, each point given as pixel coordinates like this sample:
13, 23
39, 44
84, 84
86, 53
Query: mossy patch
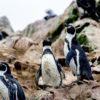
72, 15
84, 42
57, 32
82, 39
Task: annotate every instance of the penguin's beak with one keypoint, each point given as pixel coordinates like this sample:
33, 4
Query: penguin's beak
66, 25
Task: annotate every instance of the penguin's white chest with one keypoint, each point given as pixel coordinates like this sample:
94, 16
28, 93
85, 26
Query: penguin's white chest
66, 50
4, 91
72, 62
50, 72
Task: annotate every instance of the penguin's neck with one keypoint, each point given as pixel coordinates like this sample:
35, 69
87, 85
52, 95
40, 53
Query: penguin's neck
46, 47
70, 37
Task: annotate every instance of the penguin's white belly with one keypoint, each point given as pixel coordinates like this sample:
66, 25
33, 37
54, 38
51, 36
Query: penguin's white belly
73, 66
50, 72
4, 91
72, 63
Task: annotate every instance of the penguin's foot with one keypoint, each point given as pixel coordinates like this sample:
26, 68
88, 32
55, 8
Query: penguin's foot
43, 87
78, 81
56, 87
73, 73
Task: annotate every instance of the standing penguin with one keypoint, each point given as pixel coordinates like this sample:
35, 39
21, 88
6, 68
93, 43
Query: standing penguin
10, 89
90, 7
75, 56
50, 70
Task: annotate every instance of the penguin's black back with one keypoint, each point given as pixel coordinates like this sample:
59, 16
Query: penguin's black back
10, 84
85, 68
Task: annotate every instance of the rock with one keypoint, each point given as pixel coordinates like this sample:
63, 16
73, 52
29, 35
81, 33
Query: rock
96, 69
58, 45
91, 32
42, 29
53, 27
19, 43
0, 97
33, 54
42, 95
23, 43
86, 91
23, 51
73, 13
5, 27
81, 26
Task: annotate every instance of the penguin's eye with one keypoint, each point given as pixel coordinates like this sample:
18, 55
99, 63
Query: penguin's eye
2, 68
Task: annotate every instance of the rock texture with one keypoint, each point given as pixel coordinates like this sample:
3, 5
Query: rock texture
23, 50
85, 91
5, 26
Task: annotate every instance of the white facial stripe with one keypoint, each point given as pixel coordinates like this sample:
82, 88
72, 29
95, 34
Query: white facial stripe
46, 47
78, 64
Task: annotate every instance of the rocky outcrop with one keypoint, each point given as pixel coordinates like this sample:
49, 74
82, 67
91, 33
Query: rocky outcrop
18, 42
5, 26
41, 29
87, 90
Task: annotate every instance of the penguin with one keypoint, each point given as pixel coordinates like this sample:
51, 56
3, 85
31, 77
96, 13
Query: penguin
89, 6
50, 70
75, 56
10, 89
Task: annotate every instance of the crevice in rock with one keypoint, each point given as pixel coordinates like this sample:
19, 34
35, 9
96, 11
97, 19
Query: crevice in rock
80, 28
57, 32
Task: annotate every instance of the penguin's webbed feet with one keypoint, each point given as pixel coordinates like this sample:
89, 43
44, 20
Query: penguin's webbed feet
78, 81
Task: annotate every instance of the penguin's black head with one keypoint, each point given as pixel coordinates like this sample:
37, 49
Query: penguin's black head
70, 29
47, 41
4, 68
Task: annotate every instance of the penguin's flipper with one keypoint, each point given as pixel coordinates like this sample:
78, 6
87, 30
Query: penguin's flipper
61, 70
69, 56
15, 88
38, 74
